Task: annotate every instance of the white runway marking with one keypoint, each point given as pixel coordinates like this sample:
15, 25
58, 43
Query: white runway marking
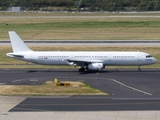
33, 80
16, 80
135, 89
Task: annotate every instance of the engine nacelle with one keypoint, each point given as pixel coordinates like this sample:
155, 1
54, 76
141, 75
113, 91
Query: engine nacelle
95, 66
72, 63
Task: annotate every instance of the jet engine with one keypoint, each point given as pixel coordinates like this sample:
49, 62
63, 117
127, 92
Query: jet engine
95, 66
72, 63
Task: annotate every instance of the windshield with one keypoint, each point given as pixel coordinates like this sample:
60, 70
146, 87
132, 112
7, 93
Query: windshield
148, 56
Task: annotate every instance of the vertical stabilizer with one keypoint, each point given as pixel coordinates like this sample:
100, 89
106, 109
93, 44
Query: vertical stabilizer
17, 44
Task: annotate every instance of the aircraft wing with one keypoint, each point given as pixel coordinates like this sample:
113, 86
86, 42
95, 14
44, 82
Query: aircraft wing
79, 62
84, 61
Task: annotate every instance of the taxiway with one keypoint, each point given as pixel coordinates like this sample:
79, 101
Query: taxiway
122, 83
128, 89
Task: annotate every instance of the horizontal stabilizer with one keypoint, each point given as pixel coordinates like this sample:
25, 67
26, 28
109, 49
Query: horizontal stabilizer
14, 55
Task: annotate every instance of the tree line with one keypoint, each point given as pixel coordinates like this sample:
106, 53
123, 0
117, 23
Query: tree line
89, 5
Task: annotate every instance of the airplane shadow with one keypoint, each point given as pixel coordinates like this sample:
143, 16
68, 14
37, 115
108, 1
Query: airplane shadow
93, 72
69, 71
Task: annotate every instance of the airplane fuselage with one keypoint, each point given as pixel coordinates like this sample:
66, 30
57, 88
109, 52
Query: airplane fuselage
107, 58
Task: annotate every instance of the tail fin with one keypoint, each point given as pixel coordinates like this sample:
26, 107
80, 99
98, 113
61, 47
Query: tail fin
17, 44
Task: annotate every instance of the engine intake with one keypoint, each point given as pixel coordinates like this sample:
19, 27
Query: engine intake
72, 63
95, 66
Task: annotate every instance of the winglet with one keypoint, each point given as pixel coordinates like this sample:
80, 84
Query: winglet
17, 44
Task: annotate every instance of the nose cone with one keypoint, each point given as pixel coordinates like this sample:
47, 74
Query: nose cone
154, 60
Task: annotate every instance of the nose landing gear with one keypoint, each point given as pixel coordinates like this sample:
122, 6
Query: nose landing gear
139, 68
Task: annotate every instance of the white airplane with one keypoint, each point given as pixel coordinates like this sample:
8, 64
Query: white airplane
86, 60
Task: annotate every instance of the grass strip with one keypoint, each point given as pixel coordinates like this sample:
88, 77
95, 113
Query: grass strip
81, 28
50, 88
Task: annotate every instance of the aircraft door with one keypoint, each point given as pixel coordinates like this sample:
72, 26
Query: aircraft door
32, 58
139, 57
109, 57
72, 56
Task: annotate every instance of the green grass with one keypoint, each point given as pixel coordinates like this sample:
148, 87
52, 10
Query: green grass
81, 28
100, 24
68, 25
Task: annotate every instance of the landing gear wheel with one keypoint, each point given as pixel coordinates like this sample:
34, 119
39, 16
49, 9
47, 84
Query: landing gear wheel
139, 69
82, 69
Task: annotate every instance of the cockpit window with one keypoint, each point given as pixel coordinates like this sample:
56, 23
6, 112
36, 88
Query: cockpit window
148, 56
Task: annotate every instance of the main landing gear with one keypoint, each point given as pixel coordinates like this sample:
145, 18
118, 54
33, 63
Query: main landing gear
82, 69
139, 68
